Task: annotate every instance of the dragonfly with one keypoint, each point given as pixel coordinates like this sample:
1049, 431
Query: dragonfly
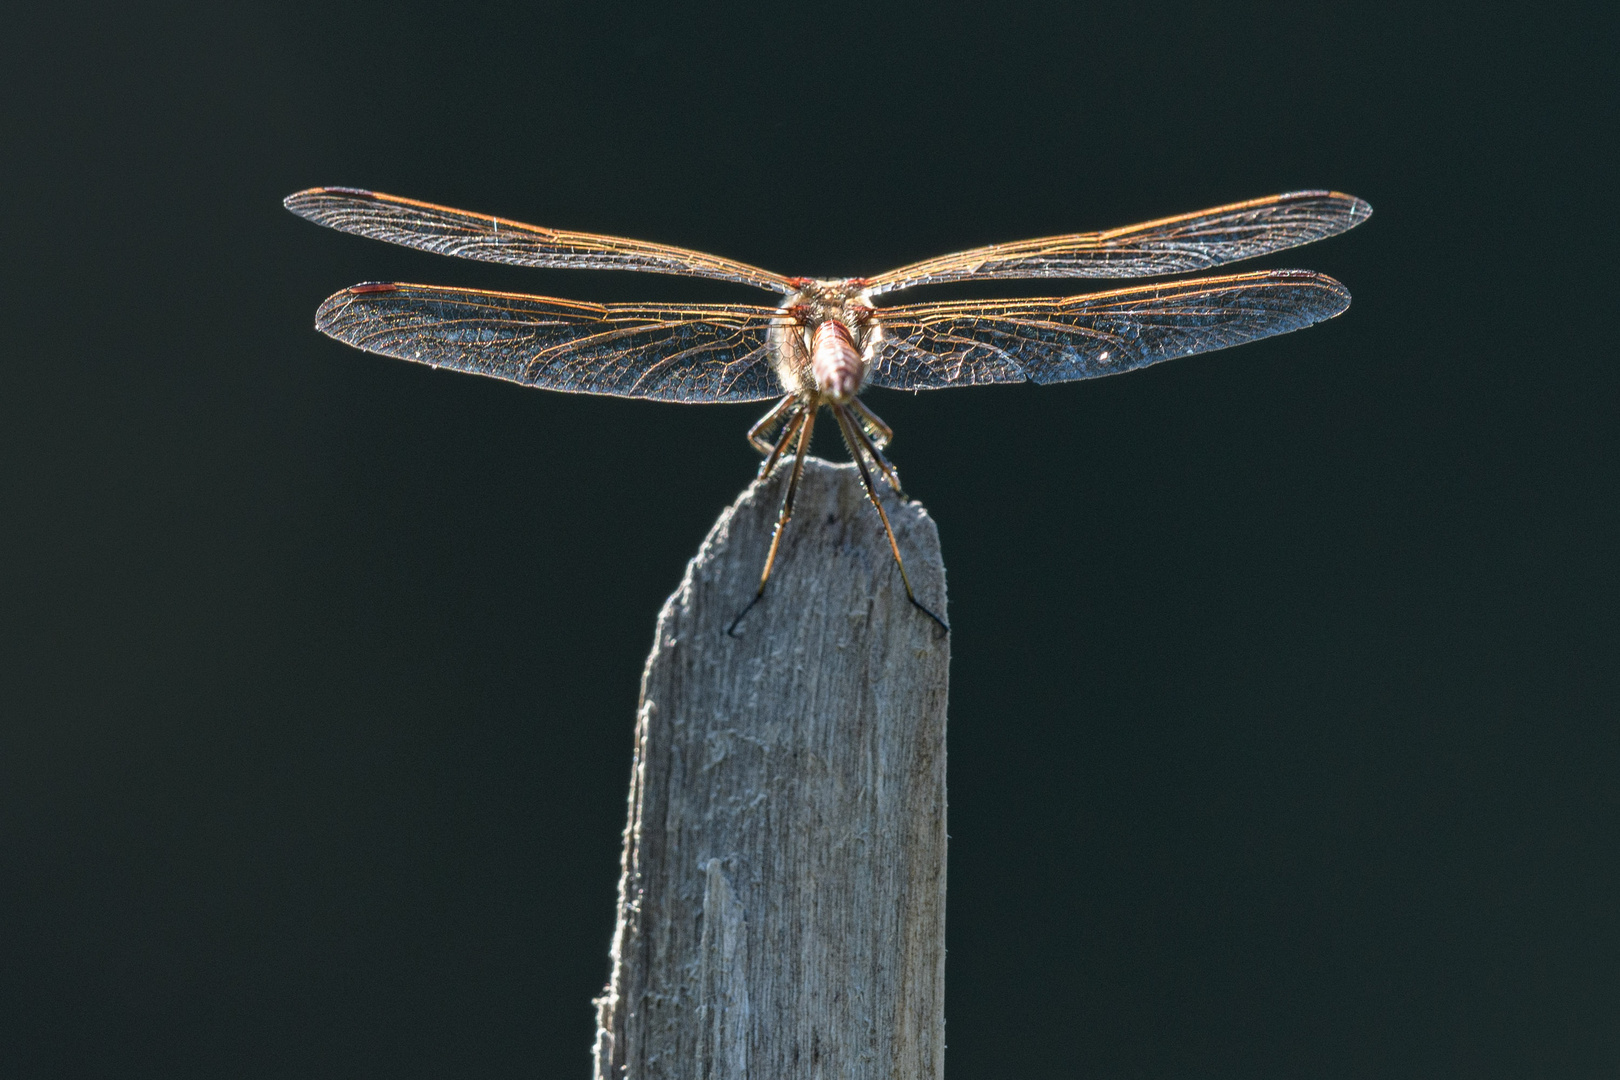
827, 340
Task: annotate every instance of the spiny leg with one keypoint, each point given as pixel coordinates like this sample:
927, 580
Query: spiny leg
768, 421
873, 421
847, 425
871, 446
786, 512
805, 427
789, 430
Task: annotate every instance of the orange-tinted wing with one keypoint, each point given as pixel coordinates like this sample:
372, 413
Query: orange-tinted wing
1198, 241
667, 352
929, 346
479, 236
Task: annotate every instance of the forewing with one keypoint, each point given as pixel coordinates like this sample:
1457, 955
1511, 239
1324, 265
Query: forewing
929, 346
666, 352
1174, 245
446, 231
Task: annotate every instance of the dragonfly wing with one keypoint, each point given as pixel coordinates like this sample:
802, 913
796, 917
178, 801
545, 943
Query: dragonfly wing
447, 231
1174, 245
930, 346
666, 352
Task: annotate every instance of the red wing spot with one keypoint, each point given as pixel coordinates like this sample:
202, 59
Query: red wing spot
373, 286
799, 282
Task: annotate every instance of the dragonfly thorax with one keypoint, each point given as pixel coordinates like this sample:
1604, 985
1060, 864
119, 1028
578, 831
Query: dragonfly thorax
828, 333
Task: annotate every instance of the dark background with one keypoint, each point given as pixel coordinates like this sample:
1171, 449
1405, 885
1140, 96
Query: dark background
1283, 725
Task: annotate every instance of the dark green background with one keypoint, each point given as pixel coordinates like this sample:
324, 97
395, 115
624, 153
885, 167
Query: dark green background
1283, 714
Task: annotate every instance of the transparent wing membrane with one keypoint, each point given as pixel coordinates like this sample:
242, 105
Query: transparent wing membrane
967, 343
1198, 241
665, 352
447, 231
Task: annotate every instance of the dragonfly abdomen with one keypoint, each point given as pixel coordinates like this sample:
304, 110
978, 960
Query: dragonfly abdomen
835, 362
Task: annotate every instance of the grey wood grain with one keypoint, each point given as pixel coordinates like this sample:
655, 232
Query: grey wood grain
782, 905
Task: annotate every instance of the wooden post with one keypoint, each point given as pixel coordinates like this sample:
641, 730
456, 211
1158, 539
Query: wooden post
782, 906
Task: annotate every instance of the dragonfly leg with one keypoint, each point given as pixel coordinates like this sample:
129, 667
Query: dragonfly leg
847, 424
789, 431
882, 433
757, 433
805, 425
871, 447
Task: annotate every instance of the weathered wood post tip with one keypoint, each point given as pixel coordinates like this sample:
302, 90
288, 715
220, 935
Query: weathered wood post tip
782, 905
